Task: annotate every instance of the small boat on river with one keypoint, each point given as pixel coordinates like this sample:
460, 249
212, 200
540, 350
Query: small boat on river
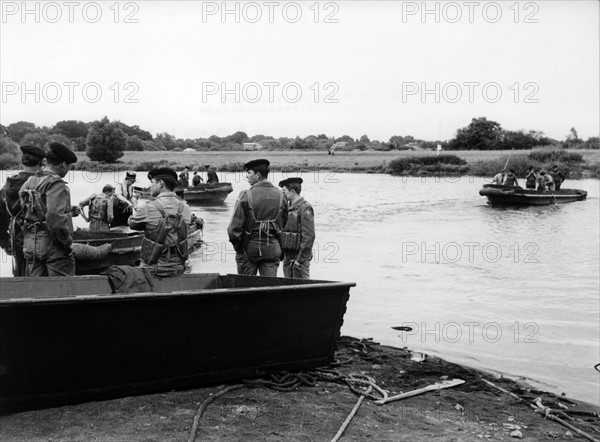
66, 340
501, 195
215, 193
96, 251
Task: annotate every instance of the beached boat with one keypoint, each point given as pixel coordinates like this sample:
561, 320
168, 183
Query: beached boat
66, 340
215, 193
500, 195
95, 251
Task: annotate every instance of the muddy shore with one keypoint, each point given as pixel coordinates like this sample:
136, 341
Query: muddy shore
312, 406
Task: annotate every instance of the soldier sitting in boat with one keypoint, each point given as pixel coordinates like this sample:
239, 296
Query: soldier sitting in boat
101, 208
184, 177
510, 179
557, 176
211, 175
499, 177
530, 178
165, 221
11, 216
196, 179
545, 182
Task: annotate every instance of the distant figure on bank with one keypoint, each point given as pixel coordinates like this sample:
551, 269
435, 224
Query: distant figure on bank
196, 179
47, 213
184, 177
258, 218
510, 179
165, 221
211, 175
439, 149
557, 176
545, 182
11, 215
124, 191
101, 211
331, 151
530, 178
298, 234
499, 177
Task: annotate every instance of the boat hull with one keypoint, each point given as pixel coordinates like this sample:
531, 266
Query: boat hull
59, 347
500, 195
202, 194
126, 246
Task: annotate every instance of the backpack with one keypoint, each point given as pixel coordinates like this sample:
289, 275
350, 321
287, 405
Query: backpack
153, 244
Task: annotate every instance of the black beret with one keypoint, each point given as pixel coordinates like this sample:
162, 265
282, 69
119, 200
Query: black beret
61, 152
130, 175
294, 180
162, 172
283, 183
260, 164
33, 150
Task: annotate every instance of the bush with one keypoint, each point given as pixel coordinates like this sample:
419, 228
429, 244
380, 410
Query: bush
555, 156
10, 155
433, 163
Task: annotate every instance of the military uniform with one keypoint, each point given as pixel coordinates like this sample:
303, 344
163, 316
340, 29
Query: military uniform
172, 260
101, 211
212, 177
258, 218
558, 177
298, 238
530, 180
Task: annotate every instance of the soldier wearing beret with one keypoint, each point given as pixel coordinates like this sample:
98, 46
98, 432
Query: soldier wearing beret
257, 221
101, 209
165, 221
298, 234
11, 219
47, 212
211, 175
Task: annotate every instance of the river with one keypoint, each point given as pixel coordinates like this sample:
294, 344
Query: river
514, 291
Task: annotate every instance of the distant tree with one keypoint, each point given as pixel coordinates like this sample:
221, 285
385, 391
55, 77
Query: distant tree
166, 140
152, 146
238, 138
592, 143
134, 130
71, 128
364, 139
396, 141
17, 131
105, 141
480, 134
346, 138
10, 155
134, 143
323, 137
39, 139
79, 144
3, 132
518, 140
573, 136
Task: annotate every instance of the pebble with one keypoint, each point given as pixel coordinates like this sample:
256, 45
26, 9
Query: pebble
569, 435
516, 434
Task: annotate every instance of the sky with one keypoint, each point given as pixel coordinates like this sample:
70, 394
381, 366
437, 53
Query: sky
380, 68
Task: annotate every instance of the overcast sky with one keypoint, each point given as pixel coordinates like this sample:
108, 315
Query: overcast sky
195, 69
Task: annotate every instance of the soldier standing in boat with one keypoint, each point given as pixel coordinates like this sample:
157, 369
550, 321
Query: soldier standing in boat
557, 176
124, 191
511, 178
499, 177
530, 178
184, 177
258, 218
11, 216
196, 179
298, 235
101, 209
211, 175
545, 182
165, 221
47, 213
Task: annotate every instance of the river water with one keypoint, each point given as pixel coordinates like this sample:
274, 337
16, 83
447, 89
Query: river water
514, 291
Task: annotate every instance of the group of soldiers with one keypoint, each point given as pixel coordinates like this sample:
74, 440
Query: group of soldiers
535, 179
268, 225
184, 177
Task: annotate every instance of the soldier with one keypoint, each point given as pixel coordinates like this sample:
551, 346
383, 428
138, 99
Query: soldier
545, 182
499, 177
184, 177
257, 221
511, 178
11, 219
196, 179
557, 176
530, 178
101, 208
47, 213
124, 191
298, 235
165, 221
211, 175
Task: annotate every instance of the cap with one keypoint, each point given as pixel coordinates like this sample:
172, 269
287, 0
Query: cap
162, 172
61, 152
293, 180
33, 150
130, 175
108, 188
257, 165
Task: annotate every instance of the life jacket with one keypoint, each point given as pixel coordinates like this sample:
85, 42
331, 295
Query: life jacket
155, 244
268, 227
531, 180
99, 207
291, 237
33, 198
510, 180
11, 192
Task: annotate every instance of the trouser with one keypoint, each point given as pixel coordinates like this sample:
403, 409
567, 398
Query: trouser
44, 257
290, 272
266, 267
19, 263
169, 264
99, 225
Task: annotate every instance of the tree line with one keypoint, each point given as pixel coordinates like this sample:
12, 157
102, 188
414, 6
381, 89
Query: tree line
106, 140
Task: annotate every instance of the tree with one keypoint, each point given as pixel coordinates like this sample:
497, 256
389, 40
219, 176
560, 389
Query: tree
10, 156
71, 128
480, 134
238, 138
17, 131
134, 143
364, 139
574, 136
105, 141
39, 139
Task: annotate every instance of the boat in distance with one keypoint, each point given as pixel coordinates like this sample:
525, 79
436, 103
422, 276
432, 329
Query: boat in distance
66, 340
95, 251
501, 195
215, 193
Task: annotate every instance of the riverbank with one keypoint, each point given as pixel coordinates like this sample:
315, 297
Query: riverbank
479, 163
315, 408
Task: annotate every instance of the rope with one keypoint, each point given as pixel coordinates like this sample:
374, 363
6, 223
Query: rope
350, 416
203, 407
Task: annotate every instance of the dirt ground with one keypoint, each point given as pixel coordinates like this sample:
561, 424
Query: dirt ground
316, 408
